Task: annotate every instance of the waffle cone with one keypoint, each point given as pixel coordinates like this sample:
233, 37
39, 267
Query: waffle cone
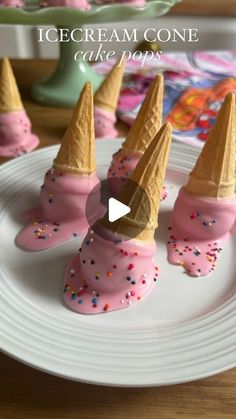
148, 176
10, 99
106, 97
77, 151
149, 118
214, 171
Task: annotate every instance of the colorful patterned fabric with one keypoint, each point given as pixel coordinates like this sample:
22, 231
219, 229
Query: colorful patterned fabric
194, 91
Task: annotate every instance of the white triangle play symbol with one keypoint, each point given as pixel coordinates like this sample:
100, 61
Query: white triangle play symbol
116, 210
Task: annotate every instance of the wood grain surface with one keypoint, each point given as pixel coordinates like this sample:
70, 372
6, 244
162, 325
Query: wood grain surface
205, 8
26, 393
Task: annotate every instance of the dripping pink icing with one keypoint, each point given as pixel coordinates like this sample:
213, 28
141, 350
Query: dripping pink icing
109, 274
61, 215
122, 166
16, 137
199, 227
76, 4
104, 124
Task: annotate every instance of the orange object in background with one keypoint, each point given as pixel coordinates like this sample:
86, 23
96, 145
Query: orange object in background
196, 101
184, 114
224, 87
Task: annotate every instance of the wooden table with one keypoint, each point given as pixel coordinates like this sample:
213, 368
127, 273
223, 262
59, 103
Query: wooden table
26, 393
219, 8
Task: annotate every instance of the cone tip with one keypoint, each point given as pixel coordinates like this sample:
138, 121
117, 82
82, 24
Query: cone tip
166, 129
10, 99
225, 115
5, 60
88, 88
167, 126
107, 95
214, 172
158, 81
121, 62
86, 92
228, 104
230, 97
158, 147
88, 85
76, 154
159, 78
149, 119
5, 64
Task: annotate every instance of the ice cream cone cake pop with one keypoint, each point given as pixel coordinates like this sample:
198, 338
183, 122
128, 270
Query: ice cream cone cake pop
205, 209
74, 4
114, 268
16, 137
106, 100
145, 127
61, 215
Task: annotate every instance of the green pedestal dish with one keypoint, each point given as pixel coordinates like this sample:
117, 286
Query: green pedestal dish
63, 87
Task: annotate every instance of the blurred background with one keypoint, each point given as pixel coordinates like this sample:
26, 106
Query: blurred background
215, 20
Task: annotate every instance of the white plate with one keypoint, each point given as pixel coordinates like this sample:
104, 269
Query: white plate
185, 330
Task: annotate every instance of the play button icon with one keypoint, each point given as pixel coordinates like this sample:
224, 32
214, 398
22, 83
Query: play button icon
116, 210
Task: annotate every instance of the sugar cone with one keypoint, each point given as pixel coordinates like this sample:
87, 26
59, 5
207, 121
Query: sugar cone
10, 99
149, 118
77, 151
148, 176
106, 97
214, 171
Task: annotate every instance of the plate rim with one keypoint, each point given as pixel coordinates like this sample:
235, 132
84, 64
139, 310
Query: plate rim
12, 353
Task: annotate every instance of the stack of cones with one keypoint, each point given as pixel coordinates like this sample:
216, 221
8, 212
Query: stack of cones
77, 152
148, 176
10, 99
149, 118
106, 97
214, 171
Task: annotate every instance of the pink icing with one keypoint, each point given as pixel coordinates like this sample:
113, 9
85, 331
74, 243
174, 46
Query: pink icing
109, 274
16, 137
199, 227
104, 124
122, 166
12, 3
76, 4
62, 213
137, 3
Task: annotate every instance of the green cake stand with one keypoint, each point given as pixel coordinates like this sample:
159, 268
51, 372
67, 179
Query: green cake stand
62, 88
